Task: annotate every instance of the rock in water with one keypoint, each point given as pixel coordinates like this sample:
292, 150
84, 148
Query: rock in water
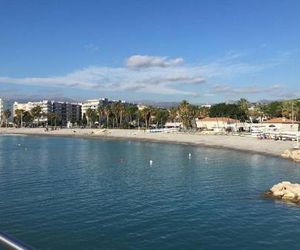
286, 154
293, 154
285, 191
296, 155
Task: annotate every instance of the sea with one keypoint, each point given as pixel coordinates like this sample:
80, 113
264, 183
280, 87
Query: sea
78, 193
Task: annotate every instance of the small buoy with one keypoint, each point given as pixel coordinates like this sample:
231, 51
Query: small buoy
19, 145
150, 162
190, 155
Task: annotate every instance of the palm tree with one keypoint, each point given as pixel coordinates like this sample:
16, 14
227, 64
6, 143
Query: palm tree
132, 111
36, 112
107, 112
115, 112
244, 104
161, 116
173, 113
27, 117
202, 112
194, 111
273, 109
84, 120
19, 116
91, 115
186, 114
146, 114
6, 115
101, 113
297, 109
52, 118
287, 109
138, 117
122, 113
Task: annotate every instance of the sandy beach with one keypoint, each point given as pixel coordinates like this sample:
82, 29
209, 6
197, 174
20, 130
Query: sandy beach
270, 147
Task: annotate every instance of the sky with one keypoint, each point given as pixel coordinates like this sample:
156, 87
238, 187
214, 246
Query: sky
204, 51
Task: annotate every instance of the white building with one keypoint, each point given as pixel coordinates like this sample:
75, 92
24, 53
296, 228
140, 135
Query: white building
173, 125
206, 106
281, 124
67, 112
93, 104
141, 107
45, 105
219, 124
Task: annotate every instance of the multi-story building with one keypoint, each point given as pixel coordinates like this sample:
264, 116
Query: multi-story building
59, 108
93, 104
66, 112
73, 113
46, 107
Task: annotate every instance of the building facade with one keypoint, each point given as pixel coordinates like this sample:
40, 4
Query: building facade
46, 107
69, 114
219, 124
281, 124
93, 104
65, 112
73, 113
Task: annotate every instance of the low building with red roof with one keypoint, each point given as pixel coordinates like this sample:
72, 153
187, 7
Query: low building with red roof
219, 124
282, 124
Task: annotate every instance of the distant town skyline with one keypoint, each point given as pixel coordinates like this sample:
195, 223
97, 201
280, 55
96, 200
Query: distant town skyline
201, 51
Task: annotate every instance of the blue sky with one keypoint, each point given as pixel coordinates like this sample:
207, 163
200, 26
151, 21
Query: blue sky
202, 51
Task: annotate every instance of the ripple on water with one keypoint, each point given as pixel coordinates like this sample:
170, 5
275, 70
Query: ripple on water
68, 193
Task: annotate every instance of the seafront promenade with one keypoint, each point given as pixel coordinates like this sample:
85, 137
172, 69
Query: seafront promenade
244, 143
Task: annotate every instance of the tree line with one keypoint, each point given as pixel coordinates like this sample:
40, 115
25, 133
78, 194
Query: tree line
27, 118
120, 115
124, 115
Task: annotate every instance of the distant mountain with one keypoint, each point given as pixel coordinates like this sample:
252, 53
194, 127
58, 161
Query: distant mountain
166, 104
36, 98
264, 101
158, 104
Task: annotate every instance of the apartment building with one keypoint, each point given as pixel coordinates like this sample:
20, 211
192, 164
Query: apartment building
69, 113
66, 112
45, 105
93, 104
73, 112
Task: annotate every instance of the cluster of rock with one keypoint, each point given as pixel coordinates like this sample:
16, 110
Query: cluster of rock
285, 191
293, 154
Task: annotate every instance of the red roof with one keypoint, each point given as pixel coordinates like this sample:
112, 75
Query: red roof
219, 119
281, 120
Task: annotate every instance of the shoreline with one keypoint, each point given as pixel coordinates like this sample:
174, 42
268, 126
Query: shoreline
240, 143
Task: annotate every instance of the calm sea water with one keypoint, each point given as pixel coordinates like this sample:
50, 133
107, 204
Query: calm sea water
70, 193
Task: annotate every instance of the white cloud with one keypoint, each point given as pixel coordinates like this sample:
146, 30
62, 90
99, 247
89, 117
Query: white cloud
159, 81
150, 74
144, 61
